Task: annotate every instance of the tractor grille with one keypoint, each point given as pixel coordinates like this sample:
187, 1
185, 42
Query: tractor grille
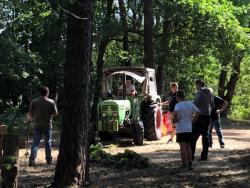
105, 108
113, 107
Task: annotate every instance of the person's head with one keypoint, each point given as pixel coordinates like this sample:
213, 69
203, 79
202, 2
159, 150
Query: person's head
44, 91
211, 90
180, 95
199, 84
174, 86
128, 80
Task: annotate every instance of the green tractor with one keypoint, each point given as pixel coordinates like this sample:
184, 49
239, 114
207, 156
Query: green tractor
137, 113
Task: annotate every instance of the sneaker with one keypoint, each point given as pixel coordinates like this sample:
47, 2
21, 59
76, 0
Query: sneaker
31, 163
222, 146
170, 141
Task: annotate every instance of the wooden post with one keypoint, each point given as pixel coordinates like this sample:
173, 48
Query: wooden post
10, 145
3, 131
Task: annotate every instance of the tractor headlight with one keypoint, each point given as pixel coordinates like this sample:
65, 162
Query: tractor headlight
115, 114
104, 114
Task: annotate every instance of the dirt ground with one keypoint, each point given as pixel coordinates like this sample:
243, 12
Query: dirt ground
228, 167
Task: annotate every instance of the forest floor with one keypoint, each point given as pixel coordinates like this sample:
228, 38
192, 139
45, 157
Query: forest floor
228, 167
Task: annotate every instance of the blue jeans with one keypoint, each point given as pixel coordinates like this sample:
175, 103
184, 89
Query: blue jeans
38, 132
217, 125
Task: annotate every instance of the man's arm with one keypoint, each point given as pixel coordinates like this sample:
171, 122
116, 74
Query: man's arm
197, 97
223, 106
55, 111
196, 115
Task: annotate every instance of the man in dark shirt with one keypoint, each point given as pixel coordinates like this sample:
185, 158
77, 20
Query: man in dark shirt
205, 103
172, 102
220, 105
41, 111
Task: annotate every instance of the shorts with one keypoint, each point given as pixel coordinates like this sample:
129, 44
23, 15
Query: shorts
183, 137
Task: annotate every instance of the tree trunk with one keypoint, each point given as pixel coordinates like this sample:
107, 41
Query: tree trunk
148, 34
163, 59
99, 77
222, 80
71, 163
100, 62
123, 14
231, 85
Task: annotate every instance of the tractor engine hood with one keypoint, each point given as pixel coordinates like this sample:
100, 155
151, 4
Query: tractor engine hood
123, 105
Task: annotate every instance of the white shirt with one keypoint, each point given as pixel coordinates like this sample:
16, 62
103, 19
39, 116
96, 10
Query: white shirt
185, 110
129, 88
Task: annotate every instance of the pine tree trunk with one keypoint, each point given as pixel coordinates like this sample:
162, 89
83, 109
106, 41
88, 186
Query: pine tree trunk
123, 14
149, 60
100, 61
222, 81
163, 58
71, 163
231, 85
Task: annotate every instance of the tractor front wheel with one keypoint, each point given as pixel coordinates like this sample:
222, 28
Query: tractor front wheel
138, 133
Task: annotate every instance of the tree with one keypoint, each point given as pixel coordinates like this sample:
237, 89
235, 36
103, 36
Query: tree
148, 34
123, 15
71, 162
105, 39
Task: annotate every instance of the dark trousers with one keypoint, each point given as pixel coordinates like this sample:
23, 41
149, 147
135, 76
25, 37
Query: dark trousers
201, 127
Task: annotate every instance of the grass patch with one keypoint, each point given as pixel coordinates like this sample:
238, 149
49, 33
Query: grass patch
8, 160
126, 161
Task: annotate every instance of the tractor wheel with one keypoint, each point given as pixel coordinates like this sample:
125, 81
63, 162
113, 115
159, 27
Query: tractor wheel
138, 133
104, 135
149, 116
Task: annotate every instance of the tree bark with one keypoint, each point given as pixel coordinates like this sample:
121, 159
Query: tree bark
163, 59
100, 62
71, 163
231, 85
222, 81
123, 14
149, 60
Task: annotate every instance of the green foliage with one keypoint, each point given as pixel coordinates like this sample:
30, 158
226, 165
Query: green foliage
15, 121
200, 39
96, 153
11, 160
125, 161
241, 106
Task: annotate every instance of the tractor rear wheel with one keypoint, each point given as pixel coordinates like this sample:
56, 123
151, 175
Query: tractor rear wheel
152, 130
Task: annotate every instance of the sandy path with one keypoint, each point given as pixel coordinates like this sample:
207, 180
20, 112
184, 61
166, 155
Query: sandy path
227, 167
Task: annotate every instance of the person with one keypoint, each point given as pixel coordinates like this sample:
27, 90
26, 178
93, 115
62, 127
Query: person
220, 105
130, 88
185, 112
204, 101
41, 111
172, 102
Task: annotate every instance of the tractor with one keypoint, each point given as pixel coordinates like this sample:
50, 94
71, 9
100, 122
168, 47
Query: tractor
137, 114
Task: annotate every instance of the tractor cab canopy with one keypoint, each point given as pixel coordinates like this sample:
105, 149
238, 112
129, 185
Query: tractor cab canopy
143, 79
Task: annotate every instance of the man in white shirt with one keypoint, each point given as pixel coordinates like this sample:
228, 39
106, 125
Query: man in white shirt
130, 88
